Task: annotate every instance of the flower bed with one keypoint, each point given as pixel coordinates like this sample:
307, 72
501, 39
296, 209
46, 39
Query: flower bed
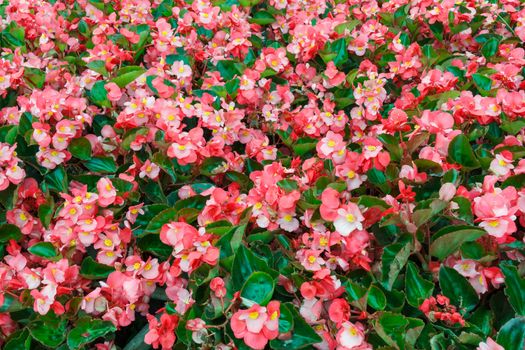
247, 174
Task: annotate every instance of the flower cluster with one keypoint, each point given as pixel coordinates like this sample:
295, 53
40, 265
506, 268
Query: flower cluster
439, 308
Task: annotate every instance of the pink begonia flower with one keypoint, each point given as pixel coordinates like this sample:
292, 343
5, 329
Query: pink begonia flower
330, 144
114, 92
161, 334
94, 302
44, 298
257, 325
350, 336
106, 192
150, 170
501, 165
447, 191
496, 212
217, 285
179, 235
349, 219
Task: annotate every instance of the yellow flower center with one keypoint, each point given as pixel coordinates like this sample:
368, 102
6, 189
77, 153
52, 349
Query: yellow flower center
494, 223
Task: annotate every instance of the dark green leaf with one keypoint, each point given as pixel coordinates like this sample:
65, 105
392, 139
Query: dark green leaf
457, 288
262, 18
87, 331
394, 258
127, 75
460, 151
8, 232
99, 95
213, 166
49, 331
482, 82
104, 165
258, 288
514, 287
43, 250
93, 270
450, 239
417, 288
80, 148
302, 335
512, 335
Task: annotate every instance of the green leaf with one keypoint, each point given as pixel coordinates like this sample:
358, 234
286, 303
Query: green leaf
376, 298
450, 239
93, 270
460, 151
45, 213
13, 35
80, 148
11, 304
104, 165
302, 335
457, 288
43, 250
286, 321
34, 77
347, 26
99, 95
20, 340
288, 185
392, 145
243, 180
514, 287
304, 145
49, 330
98, 66
127, 75
512, 335
8, 133
513, 127
378, 178
87, 330
394, 258
249, 3
391, 328
517, 181
153, 244
162, 218
213, 166
245, 264
490, 47
229, 69
417, 288
482, 82
437, 30
262, 18
57, 180
8, 232
258, 288
371, 201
